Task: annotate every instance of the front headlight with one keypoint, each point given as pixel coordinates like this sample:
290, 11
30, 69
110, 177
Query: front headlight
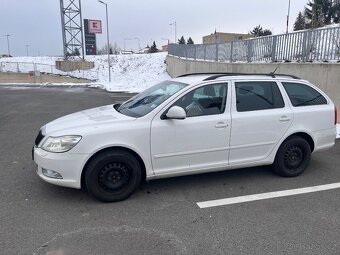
61, 143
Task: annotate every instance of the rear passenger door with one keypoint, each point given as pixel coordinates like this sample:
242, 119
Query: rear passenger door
260, 117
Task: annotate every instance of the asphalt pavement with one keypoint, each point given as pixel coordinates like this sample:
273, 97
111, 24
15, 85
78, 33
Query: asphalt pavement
162, 217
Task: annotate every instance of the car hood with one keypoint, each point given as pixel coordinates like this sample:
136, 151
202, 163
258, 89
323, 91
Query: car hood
91, 118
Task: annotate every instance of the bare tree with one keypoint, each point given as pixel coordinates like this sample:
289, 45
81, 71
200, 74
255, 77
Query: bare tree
114, 49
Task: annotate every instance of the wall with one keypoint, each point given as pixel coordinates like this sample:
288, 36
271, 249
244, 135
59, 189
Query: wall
324, 75
10, 77
68, 65
224, 37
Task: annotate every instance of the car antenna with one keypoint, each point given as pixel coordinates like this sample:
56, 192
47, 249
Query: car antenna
273, 73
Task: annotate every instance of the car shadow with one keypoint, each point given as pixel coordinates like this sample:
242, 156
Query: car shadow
239, 178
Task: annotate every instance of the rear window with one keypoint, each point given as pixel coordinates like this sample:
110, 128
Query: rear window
303, 95
254, 96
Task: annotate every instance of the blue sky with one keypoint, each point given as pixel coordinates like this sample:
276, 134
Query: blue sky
37, 22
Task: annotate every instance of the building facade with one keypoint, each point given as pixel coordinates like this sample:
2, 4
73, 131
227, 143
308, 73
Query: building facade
219, 37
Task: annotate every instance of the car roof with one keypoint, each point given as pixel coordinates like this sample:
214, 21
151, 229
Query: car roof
191, 79
199, 78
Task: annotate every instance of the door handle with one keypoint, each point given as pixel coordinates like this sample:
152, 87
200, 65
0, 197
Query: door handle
221, 125
284, 119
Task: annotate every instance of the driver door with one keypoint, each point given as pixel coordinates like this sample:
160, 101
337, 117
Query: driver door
201, 140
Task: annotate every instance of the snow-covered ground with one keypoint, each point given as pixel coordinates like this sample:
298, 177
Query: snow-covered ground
132, 73
338, 130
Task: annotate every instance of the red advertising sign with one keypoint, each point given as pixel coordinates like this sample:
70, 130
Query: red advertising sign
95, 26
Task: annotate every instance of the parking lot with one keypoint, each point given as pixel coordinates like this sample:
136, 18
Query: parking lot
163, 216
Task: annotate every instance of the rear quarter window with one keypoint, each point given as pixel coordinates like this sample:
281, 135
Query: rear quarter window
303, 95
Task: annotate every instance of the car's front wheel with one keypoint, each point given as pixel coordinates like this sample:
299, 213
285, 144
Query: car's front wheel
113, 175
293, 157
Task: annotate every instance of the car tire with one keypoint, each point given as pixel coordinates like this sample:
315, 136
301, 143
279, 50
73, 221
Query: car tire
293, 157
113, 175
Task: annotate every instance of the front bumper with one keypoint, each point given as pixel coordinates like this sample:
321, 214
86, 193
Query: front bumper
67, 164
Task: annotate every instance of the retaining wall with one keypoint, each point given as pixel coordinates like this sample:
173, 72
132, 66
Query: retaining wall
71, 65
31, 78
324, 75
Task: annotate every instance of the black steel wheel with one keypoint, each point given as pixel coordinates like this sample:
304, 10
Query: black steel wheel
293, 157
113, 175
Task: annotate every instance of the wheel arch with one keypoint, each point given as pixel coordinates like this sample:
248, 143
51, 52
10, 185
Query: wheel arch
112, 148
305, 136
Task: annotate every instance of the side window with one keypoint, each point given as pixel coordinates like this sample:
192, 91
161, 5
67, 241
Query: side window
303, 95
254, 96
206, 100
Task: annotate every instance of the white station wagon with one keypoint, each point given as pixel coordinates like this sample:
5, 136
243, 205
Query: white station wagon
192, 124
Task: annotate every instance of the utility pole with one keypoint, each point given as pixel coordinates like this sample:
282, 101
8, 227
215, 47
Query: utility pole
108, 39
288, 17
9, 52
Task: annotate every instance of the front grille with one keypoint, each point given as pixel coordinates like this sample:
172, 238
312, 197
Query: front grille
39, 138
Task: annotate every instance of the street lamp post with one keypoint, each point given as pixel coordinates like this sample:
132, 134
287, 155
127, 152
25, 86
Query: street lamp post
9, 52
288, 17
27, 45
138, 44
108, 39
175, 24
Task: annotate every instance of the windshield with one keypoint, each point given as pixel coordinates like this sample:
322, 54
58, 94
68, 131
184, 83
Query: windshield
149, 99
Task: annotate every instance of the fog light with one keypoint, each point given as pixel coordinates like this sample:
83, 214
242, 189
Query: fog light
51, 174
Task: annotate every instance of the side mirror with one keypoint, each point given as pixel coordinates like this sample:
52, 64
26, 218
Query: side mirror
176, 113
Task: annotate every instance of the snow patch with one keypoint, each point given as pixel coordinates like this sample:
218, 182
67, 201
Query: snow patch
129, 73
337, 131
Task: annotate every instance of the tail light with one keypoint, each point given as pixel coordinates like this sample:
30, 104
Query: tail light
335, 115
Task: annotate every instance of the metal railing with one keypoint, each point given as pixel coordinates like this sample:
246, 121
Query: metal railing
321, 44
26, 67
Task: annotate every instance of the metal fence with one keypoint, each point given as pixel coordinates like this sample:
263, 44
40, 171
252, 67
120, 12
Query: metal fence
304, 46
26, 67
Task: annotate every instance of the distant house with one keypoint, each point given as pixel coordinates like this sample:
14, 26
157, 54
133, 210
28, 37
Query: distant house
165, 47
145, 50
126, 52
218, 37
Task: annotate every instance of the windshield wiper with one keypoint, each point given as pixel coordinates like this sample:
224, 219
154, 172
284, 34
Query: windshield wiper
143, 101
116, 107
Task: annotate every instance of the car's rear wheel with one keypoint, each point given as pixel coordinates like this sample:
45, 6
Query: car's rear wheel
293, 157
113, 175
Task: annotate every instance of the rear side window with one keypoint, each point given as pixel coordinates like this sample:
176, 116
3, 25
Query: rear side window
254, 96
303, 95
